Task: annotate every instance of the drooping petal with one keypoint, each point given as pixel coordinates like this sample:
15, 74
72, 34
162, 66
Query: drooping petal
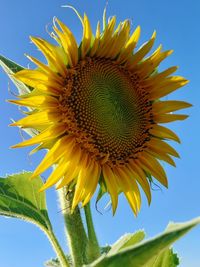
54, 154
68, 43
53, 55
159, 154
137, 173
163, 146
130, 189
50, 133
152, 166
112, 186
163, 132
91, 184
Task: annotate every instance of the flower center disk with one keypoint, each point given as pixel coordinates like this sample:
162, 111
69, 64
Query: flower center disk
108, 109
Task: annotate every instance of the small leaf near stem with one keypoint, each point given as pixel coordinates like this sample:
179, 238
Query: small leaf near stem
10, 67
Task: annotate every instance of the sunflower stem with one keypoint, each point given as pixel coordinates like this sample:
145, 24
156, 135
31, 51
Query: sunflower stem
60, 254
76, 235
93, 251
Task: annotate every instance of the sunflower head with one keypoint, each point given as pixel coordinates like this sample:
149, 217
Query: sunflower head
97, 107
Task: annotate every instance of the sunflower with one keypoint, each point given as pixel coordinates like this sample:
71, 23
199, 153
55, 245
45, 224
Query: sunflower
96, 107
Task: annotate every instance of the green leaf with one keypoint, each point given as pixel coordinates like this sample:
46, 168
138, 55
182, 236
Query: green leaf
126, 241
11, 67
20, 198
102, 189
165, 259
143, 254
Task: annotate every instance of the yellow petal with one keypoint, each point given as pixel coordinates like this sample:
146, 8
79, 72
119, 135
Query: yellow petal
125, 187
138, 173
159, 154
155, 79
74, 167
83, 178
119, 40
51, 133
37, 101
130, 45
168, 86
52, 54
39, 80
163, 146
105, 40
60, 148
130, 189
56, 174
152, 166
143, 50
165, 118
87, 36
96, 41
163, 132
169, 106
111, 184
92, 183
146, 67
68, 42
70, 175
46, 69
36, 119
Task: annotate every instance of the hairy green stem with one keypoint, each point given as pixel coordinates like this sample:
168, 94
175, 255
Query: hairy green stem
60, 254
93, 246
77, 238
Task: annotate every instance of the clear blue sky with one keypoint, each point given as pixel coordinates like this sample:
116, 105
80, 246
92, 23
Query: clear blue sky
177, 24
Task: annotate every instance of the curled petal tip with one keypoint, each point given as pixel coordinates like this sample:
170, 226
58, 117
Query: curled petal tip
13, 124
153, 35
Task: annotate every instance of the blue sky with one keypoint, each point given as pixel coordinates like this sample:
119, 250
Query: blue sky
177, 25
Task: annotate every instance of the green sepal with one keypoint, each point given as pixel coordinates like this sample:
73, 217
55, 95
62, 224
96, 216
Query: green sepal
10, 67
102, 189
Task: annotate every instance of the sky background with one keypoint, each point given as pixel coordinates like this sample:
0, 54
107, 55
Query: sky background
177, 24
